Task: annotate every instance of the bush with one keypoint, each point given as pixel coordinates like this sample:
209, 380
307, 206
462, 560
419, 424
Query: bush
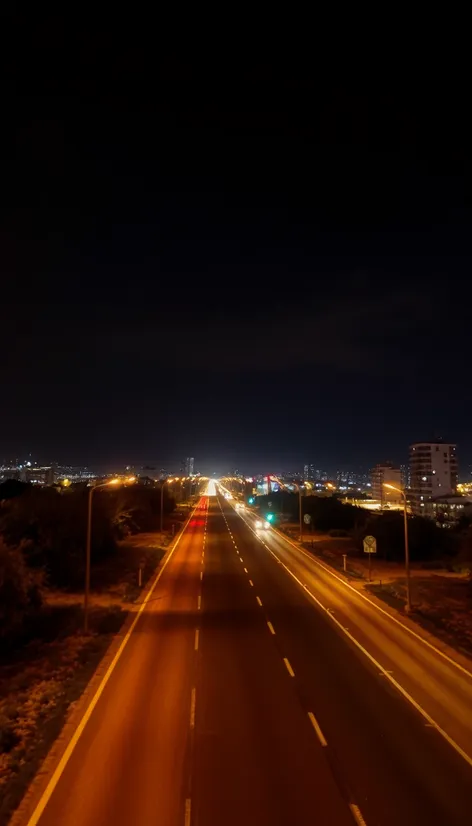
8, 736
20, 594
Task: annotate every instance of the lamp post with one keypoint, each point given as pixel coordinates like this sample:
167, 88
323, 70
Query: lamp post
169, 482
89, 544
407, 550
300, 509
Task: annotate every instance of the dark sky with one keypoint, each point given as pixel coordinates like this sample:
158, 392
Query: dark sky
243, 264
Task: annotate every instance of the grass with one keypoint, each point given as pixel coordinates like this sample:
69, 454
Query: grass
50, 666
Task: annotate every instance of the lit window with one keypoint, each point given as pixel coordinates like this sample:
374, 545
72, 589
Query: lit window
421, 497
422, 504
424, 478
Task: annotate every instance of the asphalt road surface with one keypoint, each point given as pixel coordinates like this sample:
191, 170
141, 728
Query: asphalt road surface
237, 701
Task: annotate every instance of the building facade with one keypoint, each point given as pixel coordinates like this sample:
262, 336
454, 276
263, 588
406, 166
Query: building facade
433, 474
383, 474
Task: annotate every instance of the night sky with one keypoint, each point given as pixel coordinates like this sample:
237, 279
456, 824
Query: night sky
242, 264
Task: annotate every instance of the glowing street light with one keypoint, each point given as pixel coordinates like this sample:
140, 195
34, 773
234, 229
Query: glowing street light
407, 550
89, 540
169, 482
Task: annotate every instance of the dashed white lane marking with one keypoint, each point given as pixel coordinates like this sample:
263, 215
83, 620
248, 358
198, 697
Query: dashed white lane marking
289, 667
197, 639
317, 728
251, 583
271, 628
394, 682
199, 604
201, 574
188, 811
193, 701
246, 571
259, 601
241, 560
357, 814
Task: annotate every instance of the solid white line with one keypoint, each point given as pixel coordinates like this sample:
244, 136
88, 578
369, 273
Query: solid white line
387, 675
357, 814
374, 605
188, 811
289, 667
197, 637
44, 799
199, 604
259, 601
317, 728
271, 628
251, 583
193, 701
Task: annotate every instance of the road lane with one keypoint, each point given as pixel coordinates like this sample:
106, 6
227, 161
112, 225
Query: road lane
437, 684
257, 759
131, 763
399, 770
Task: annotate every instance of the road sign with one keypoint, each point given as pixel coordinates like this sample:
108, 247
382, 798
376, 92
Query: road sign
307, 518
370, 545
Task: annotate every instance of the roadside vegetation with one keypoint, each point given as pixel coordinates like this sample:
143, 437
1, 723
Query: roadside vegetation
45, 660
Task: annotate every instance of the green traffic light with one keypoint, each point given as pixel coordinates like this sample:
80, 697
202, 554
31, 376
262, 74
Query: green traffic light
270, 517
251, 501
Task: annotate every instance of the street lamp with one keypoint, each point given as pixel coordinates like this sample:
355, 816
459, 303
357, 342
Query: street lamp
89, 542
407, 551
300, 509
169, 482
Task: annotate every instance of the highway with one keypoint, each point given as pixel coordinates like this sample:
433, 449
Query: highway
238, 700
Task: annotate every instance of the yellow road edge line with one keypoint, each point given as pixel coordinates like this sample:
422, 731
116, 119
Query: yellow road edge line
46, 795
357, 814
289, 667
193, 702
317, 728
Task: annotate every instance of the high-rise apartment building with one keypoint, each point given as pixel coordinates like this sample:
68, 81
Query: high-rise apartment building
433, 474
189, 462
382, 474
309, 472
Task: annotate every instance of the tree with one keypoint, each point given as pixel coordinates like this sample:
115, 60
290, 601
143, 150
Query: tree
52, 528
20, 593
426, 540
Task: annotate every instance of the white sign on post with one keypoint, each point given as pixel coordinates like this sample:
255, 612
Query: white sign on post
370, 545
